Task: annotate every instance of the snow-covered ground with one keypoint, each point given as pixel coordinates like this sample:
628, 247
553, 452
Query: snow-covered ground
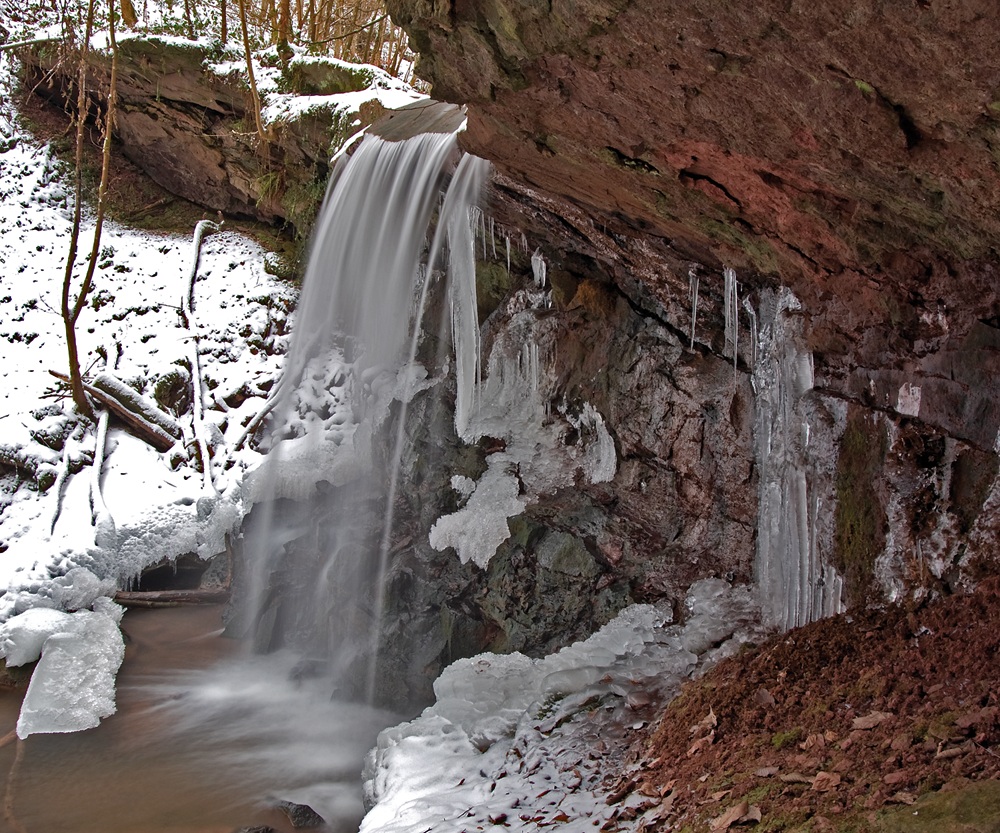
159, 505
529, 744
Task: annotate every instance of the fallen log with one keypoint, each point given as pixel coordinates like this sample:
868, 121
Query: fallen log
171, 598
145, 430
137, 403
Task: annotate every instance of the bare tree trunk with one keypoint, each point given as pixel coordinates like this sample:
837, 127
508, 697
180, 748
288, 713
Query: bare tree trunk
69, 313
311, 21
71, 316
254, 96
188, 20
284, 31
129, 17
224, 23
352, 32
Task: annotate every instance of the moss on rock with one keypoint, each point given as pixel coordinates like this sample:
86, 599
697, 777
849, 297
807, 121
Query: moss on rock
859, 520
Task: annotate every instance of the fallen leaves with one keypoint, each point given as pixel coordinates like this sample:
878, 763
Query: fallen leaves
741, 813
700, 744
706, 724
870, 721
826, 781
704, 731
795, 778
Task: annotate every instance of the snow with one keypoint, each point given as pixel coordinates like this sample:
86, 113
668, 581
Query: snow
70, 555
527, 742
279, 107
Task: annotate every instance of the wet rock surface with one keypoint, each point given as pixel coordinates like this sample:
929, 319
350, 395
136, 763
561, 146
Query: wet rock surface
844, 152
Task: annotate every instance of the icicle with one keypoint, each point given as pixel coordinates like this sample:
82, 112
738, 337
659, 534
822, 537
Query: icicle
538, 268
493, 237
693, 294
796, 585
754, 335
732, 311
524, 243
507, 239
482, 229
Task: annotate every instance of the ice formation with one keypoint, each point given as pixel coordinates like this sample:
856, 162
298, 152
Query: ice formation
693, 297
796, 583
908, 399
510, 400
510, 739
73, 685
731, 308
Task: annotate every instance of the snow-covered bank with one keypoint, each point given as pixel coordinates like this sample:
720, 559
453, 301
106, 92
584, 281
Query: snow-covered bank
55, 557
157, 504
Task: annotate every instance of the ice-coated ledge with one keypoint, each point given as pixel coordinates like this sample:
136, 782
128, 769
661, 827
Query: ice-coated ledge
510, 738
73, 686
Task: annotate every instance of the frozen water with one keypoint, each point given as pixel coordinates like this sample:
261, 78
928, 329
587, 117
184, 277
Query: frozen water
22, 637
511, 739
511, 401
73, 685
796, 583
479, 527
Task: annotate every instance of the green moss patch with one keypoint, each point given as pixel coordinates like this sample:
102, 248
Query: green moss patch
859, 520
973, 808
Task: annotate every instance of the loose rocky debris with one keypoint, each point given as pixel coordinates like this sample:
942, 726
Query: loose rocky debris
859, 724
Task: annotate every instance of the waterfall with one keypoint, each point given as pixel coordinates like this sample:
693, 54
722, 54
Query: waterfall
368, 279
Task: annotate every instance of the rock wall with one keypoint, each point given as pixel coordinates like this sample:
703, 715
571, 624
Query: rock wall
846, 151
842, 153
185, 118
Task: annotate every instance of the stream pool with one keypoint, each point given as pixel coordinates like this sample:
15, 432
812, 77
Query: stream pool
205, 740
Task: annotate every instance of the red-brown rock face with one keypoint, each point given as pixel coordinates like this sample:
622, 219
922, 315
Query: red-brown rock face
847, 150
850, 149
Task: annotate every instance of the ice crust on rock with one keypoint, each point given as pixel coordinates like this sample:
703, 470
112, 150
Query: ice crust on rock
508, 733
22, 637
479, 527
511, 400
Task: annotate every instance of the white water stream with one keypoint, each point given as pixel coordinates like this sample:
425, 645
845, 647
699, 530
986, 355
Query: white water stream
354, 354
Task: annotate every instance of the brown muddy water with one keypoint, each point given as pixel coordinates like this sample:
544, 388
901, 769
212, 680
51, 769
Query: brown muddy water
205, 740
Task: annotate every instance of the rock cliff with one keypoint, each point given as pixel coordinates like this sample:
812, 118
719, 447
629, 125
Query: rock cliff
845, 151
769, 236
185, 118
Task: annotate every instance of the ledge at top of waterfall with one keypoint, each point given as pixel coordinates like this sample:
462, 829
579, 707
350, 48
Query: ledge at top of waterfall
424, 116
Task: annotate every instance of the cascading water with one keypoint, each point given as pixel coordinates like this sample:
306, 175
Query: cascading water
354, 354
319, 540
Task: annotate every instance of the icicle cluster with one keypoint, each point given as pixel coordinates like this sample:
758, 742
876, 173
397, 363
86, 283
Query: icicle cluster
693, 294
796, 585
510, 400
